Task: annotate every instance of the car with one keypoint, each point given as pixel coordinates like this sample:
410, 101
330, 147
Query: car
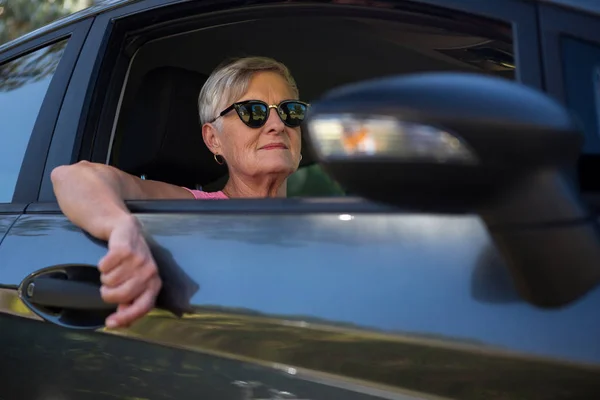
454, 256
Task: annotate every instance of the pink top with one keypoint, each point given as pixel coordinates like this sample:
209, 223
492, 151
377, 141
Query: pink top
200, 195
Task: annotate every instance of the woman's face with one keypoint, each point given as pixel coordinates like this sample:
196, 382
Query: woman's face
273, 149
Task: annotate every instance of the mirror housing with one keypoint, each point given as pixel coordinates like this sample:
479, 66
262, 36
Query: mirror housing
469, 143
448, 140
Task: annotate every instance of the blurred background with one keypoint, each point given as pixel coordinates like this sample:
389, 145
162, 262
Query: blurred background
18, 17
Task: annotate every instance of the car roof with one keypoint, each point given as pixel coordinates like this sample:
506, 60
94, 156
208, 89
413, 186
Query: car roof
588, 6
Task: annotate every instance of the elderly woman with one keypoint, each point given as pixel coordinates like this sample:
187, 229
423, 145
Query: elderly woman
260, 148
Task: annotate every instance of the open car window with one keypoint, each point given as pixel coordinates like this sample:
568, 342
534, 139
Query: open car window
158, 134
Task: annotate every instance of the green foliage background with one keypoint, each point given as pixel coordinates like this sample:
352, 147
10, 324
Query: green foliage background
18, 17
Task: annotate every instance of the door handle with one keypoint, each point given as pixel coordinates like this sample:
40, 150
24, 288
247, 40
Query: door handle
67, 295
57, 292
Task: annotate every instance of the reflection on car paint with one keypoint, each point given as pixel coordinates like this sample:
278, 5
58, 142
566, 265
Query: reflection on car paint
10, 303
248, 389
436, 308
399, 365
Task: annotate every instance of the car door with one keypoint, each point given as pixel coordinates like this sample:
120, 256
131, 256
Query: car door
33, 79
293, 298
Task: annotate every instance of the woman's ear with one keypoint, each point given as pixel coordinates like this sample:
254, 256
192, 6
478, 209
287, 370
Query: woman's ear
211, 138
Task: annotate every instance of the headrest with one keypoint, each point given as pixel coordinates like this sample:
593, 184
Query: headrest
162, 136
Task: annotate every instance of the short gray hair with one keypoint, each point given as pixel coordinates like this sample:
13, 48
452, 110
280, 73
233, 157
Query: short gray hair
230, 81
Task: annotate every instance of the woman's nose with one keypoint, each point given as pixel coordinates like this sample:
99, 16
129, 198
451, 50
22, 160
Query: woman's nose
274, 122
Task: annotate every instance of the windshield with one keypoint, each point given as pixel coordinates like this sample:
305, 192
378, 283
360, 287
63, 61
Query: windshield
18, 17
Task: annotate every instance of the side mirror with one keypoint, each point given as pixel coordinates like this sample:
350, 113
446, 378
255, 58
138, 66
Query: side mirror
467, 143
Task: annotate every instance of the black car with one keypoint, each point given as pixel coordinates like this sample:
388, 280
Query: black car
456, 258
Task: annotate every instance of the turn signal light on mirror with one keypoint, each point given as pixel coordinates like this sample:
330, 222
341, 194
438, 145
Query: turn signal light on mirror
342, 136
461, 143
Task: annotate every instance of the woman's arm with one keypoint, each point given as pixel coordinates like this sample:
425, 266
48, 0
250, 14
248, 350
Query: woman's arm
93, 197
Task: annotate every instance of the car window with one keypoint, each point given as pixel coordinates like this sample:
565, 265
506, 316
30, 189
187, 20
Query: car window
157, 133
312, 181
23, 84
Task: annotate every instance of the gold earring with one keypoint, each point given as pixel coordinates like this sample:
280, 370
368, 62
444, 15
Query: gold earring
300, 157
217, 160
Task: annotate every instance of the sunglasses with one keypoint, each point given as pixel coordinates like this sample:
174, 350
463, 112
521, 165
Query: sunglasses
255, 113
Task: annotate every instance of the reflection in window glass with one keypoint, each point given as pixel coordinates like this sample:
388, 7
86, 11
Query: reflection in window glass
23, 85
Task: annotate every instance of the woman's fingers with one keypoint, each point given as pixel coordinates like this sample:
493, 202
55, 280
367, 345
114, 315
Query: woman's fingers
132, 280
110, 261
128, 274
125, 293
115, 277
133, 264
127, 314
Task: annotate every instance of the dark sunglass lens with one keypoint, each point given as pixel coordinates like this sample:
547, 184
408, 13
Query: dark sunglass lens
293, 113
253, 114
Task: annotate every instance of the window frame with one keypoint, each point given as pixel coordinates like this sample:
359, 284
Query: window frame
522, 15
70, 143
32, 168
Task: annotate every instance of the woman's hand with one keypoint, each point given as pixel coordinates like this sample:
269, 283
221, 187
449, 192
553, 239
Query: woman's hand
129, 274
92, 196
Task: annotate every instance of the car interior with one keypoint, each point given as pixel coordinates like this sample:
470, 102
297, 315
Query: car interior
158, 134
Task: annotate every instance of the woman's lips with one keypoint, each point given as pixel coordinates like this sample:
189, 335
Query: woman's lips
274, 146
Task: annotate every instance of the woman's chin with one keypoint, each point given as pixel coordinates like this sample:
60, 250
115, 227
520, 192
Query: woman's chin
281, 165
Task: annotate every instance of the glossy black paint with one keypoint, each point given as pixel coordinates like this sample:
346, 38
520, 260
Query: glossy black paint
136, 369
141, 370
393, 243
404, 306
379, 286
12, 208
